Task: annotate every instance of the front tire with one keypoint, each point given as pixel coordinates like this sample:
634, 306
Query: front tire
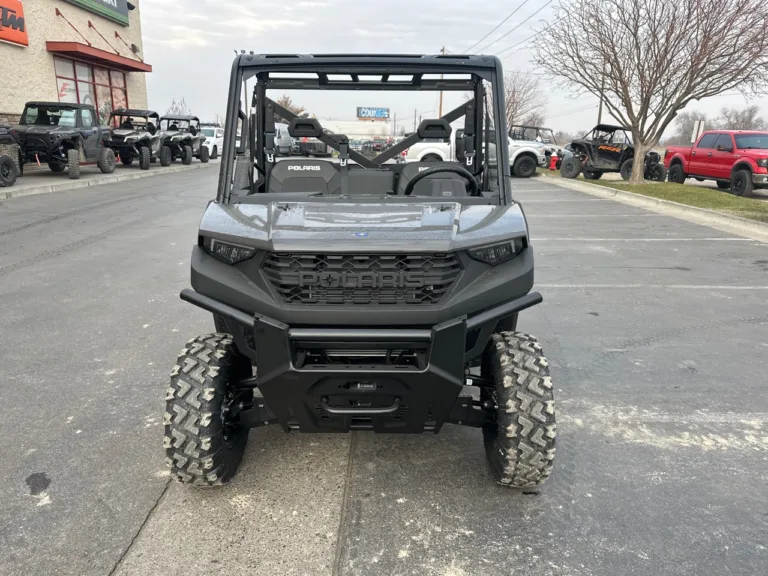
592, 175
127, 160
73, 163
215, 153
626, 169
741, 183
676, 174
187, 155
570, 167
520, 442
8, 172
57, 166
723, 185
201, 447
166, 156
524, 167
204, 155
145, 157
106, 161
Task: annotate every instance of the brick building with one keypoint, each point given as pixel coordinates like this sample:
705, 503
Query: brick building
87, 51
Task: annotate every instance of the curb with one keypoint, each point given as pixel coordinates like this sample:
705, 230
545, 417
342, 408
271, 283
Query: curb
66, 185
734, 224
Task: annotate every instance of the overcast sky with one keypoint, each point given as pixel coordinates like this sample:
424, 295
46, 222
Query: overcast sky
191, 43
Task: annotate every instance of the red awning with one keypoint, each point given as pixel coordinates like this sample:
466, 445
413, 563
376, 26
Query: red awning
97, 56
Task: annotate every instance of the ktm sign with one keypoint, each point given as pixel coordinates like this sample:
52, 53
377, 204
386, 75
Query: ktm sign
13, 28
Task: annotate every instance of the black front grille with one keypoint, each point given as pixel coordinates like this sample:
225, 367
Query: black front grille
361, 279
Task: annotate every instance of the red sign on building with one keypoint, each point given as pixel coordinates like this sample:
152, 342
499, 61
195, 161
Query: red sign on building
13, 28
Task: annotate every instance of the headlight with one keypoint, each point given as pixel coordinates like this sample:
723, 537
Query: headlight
498, 253
762, 162
226, 252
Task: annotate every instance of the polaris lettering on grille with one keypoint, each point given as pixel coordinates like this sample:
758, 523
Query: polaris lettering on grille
399, 279
302, 168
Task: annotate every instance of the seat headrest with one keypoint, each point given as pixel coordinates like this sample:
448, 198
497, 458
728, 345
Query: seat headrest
305, 128
434, 129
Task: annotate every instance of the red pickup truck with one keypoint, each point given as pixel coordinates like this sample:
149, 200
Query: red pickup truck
735, 159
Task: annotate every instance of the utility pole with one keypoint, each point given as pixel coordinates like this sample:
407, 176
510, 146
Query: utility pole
440, 109
602, 91
394, 133
414, 120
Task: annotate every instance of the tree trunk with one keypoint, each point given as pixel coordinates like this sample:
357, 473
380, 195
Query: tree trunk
639, 164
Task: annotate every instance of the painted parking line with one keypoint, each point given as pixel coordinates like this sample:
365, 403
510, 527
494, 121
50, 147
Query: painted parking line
558, 216
578, 239
652, 286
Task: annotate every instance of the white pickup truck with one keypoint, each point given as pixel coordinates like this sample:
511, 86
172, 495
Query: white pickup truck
524, 156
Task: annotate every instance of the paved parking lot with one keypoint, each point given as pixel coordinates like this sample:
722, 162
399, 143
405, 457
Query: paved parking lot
657, 336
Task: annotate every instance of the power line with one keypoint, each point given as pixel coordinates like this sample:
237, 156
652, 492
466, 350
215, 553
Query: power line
572, 111
516, 27
497, 27
532, 36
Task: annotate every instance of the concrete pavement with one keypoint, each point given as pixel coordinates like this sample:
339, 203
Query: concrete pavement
657, 336
43, 181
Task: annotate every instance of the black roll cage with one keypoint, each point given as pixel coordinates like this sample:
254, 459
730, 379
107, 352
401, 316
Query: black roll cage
360, 72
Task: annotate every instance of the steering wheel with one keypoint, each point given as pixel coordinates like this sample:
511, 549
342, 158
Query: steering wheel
471, 185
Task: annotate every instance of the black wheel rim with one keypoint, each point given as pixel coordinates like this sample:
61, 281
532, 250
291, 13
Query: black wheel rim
5, 171
738, 186
527, 166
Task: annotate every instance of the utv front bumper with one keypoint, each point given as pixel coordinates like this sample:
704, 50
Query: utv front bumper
313, 379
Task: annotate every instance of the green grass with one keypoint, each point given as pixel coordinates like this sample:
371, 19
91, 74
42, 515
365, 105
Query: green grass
691, 195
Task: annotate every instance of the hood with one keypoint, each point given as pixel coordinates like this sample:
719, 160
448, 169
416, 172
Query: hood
123, 133
375, 227
38, 130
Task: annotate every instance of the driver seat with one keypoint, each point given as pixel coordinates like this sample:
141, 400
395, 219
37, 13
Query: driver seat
442, 184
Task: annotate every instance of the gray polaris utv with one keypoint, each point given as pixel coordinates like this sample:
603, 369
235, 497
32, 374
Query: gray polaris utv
135, 136
361, 293
180, 138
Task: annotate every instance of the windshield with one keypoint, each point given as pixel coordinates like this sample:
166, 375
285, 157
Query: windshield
208, 132
171, 125
49, 116
131, 122
752, 141
388, 130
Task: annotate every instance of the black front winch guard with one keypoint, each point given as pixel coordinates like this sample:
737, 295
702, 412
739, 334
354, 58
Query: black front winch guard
343, 397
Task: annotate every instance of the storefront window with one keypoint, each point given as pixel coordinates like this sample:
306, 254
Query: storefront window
67, 90
86, 84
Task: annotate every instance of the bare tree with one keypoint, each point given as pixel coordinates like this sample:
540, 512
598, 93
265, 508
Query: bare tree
286, 102
745, 119
524, 98
535, 118
684, 124
650, 58
178, 108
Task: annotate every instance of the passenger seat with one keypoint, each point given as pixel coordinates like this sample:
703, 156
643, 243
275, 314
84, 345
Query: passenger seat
313, 176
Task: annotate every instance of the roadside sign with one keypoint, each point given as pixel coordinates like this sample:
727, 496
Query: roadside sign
372, 113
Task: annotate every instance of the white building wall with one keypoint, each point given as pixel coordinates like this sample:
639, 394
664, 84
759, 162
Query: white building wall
26, 73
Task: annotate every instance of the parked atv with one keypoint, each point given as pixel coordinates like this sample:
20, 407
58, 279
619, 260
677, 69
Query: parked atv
136, 136
180, 138
65, 136
608, 149
10, 155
